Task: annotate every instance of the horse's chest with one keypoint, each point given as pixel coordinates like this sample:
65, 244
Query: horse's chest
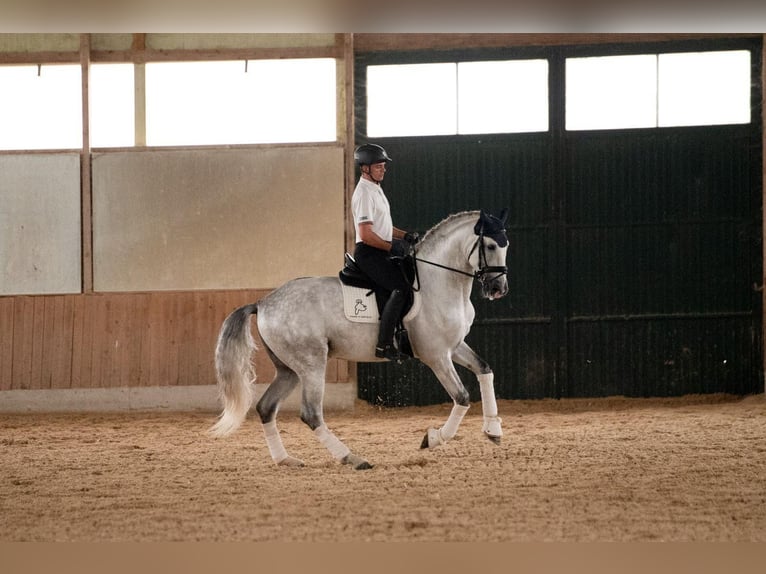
459, 318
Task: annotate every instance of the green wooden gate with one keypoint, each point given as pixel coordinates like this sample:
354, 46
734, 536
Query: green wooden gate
635, 256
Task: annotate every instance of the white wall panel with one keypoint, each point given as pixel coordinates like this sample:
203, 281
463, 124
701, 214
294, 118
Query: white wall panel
40, 230
216, 219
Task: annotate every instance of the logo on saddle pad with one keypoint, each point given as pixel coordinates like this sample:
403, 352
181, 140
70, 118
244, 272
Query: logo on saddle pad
360, 305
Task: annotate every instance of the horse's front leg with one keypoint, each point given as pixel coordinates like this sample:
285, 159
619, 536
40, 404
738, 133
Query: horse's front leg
467, 357
450, 380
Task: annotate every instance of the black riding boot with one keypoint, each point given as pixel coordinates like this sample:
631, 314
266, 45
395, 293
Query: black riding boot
391, 312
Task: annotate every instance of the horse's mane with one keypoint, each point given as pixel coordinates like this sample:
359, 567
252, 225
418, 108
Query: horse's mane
445, 225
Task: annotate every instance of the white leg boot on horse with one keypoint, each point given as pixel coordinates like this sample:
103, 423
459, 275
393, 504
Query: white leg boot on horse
492, 426
276, 448
311, 414
285, 381
467, 357
338, 450
435, 437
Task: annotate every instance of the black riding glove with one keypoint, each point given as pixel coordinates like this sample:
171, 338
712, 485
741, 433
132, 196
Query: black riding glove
412, 238
400, 248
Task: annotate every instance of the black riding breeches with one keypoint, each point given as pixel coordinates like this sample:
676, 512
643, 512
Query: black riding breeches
385, 273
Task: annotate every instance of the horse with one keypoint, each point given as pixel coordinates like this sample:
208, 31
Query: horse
302, 324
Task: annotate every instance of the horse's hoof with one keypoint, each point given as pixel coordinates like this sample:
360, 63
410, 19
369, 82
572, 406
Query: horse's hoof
493, 439
432, 439
357, 462
291, 462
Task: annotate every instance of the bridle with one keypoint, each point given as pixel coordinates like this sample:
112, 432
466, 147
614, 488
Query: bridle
479, 275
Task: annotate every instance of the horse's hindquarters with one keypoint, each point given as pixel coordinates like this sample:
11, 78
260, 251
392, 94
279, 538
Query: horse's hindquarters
303, 321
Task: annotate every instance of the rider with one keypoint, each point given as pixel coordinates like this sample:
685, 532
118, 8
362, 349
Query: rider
376, 240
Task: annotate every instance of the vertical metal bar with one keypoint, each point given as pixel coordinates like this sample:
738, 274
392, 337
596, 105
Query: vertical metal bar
85, 171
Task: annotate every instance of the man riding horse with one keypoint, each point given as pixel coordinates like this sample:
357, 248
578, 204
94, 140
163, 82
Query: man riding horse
377, 240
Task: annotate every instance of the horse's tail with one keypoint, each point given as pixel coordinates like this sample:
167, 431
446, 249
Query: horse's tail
234, 370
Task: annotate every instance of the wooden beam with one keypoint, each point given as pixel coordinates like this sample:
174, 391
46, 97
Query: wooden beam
39, 58
139, 90
139, 43
362, 43
150, 55
399, 42
85, 165
143, 55
349, 99
349, 137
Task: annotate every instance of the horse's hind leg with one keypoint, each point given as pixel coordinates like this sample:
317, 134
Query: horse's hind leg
467, 357
283, 384
311, 414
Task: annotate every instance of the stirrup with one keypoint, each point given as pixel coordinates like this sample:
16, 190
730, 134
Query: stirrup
388, 352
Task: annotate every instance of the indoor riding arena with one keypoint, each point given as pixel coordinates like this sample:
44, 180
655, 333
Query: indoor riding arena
158, 181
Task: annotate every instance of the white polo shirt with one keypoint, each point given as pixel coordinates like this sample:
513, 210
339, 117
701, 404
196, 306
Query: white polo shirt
369, 203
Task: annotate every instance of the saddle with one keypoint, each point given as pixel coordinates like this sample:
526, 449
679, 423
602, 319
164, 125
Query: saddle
353, 276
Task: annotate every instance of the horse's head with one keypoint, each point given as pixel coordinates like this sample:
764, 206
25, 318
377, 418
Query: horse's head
488, 255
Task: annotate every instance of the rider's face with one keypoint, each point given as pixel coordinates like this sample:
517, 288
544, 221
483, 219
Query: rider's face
378, 171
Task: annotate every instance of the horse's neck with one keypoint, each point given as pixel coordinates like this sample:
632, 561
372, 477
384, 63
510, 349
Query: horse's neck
451, 250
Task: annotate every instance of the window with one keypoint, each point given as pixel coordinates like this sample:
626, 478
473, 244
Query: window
706, 88
40, 107
665, 90
457, 98
611, 92
503, 97
408, 100
262, 101
112, 109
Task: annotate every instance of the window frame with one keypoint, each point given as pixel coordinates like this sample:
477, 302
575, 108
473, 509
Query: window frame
655, 96
455, 56
557, 55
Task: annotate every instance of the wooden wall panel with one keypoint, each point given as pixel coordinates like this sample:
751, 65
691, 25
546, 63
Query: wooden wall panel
121, 340
6, 342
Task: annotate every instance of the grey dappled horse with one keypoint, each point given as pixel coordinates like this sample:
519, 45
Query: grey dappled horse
302, 324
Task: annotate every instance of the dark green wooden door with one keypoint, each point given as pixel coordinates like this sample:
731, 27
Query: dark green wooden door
634, 262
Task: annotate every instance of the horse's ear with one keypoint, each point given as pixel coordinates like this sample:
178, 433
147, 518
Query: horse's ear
503, 215
479, 227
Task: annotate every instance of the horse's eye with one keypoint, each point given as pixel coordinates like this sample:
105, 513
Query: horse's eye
492, 247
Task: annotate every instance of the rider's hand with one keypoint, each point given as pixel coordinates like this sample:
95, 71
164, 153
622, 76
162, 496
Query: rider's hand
412, 238
400, 248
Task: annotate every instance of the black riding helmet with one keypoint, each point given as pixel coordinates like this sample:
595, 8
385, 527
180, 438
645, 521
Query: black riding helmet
369, 154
